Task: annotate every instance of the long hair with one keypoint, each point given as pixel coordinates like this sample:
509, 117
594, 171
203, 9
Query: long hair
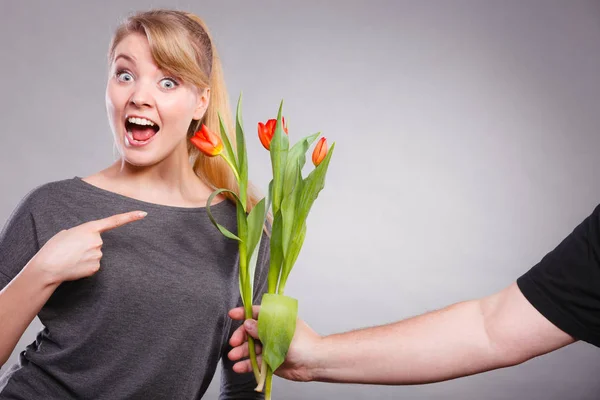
180, 44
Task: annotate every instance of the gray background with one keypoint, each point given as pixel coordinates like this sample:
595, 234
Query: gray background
467, 147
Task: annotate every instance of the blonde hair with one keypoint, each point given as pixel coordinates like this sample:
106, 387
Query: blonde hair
181, 45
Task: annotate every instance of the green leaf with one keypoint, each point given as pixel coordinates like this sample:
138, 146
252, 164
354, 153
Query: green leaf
256, 223
296, 157
308, 192
276, 327
242, 227
292, 186
242, 153
252, 264
291, 256
269, 197
229, 153
313, 184
289, 207
279, 151
276, 252
220, 227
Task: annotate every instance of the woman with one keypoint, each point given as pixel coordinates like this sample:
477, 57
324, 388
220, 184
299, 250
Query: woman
134, 305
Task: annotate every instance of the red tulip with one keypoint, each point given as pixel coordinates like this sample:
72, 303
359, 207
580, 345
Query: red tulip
320, 151
207, 142
266, 131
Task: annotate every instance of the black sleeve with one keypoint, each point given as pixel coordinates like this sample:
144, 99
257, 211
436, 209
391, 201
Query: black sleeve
565, 285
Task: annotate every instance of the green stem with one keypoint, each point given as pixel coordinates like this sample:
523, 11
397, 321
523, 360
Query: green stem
263, 376
281, 287
252, 351
247, 295
268, 383
251, 346
228, 161
274, 271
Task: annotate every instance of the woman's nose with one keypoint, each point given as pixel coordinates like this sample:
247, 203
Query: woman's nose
141, 96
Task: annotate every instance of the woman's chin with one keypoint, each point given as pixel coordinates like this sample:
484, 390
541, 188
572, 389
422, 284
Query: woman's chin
139, 159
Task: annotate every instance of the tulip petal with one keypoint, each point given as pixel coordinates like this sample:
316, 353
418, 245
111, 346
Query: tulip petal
263, 135
207, 142
284, 125
320, 151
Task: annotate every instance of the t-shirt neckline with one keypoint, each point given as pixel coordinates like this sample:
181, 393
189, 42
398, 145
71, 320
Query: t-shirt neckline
143, 205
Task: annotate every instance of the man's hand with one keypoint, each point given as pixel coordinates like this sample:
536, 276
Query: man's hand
301, 360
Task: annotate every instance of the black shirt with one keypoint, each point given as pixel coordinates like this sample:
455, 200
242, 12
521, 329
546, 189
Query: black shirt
565, 285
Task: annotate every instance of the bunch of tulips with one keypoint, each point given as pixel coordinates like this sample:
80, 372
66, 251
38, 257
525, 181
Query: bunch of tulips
289, 198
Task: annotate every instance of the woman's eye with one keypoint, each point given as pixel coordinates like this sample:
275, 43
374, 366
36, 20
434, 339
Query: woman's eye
124, 76
168, 83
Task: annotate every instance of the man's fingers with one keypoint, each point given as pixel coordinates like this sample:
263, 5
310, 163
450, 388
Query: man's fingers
245, 366
239, 313
238, 337
115, 221
237, 353
242, 367
240, 352
236, 313
251, 328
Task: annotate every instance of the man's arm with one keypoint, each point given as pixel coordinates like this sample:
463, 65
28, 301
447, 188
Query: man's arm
463, 339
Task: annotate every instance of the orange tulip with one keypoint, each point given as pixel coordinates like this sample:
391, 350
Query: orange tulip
266, 131
207, 142
320, 151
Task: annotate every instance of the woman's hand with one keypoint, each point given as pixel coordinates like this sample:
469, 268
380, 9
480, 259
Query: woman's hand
75, 253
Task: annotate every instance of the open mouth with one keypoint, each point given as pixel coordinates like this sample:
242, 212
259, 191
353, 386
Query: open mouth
140, 130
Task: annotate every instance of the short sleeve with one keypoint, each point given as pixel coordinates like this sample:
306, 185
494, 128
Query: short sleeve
241, 386
565, 285
18, 239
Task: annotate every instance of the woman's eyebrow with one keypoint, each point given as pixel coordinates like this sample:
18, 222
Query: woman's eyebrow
126, 57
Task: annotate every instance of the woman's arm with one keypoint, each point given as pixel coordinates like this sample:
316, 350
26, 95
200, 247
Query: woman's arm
20, 301
29, 276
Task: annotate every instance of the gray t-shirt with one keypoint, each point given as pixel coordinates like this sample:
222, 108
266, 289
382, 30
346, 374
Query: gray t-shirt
151, 323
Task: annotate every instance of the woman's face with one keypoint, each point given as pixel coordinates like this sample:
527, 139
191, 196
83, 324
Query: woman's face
149, 112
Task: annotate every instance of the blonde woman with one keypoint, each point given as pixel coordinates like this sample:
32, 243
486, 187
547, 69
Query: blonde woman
123, 267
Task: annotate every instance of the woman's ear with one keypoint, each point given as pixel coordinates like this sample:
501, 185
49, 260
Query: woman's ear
202, 105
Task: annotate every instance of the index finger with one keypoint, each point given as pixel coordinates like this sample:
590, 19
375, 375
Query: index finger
115, 221
240, 315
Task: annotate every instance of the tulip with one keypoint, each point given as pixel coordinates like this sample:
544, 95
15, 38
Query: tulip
320, 151
266, 131
207, 142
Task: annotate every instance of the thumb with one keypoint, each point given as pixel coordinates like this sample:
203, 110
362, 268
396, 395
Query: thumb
251, 327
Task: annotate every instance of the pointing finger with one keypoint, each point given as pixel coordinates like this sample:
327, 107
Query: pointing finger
115, 221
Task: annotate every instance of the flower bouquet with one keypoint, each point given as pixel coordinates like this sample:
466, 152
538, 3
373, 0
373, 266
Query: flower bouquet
290, 197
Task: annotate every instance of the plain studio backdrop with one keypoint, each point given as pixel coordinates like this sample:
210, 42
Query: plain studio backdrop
467, 141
